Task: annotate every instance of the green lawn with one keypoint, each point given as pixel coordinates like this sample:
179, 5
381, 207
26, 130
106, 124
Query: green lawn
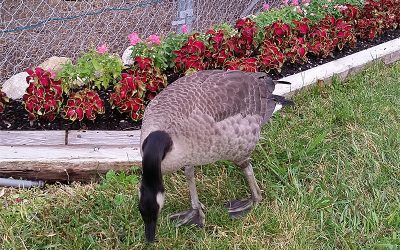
329, 170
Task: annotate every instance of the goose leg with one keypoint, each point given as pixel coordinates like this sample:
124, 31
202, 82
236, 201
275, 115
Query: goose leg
194, 216
238, 208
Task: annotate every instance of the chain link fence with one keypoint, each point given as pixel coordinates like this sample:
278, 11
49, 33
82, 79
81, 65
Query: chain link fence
33, 30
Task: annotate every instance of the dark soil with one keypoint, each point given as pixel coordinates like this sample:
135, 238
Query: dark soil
16, 118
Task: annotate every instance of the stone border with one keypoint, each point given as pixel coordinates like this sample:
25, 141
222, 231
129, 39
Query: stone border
92, 153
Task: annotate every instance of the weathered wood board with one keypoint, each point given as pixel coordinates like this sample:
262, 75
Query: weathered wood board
50, 138
65, 163
104, 137
61, 171
72, 137
67, 156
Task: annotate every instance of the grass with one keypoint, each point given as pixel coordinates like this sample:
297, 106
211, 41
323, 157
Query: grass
329, 170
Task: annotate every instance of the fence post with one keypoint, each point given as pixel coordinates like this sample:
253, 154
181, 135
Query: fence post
250, 6
185, 15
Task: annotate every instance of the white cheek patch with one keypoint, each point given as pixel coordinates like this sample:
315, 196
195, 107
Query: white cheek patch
160, 200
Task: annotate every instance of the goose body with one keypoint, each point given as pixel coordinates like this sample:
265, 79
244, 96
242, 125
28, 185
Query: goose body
211, 115
199, 119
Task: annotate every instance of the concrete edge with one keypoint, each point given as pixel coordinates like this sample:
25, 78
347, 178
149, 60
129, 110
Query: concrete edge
388, 53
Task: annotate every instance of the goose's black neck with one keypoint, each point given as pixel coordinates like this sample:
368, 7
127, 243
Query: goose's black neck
154, 148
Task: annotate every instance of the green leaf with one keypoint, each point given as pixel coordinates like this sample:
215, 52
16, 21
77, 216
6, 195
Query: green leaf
110, 175
119, 199
97, 66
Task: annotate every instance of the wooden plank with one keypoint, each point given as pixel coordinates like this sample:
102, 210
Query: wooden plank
69, 153
62, 171
65, 163
11, 138
99, 137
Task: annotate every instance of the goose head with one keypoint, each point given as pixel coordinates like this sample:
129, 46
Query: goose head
151, 195
150, 205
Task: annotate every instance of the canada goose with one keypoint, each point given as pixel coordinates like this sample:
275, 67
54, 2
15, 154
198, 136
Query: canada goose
208, 116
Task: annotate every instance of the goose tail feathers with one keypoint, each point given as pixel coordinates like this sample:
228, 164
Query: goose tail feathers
282, 100
282, 82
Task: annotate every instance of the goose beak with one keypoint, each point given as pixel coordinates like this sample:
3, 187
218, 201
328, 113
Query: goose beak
150, 231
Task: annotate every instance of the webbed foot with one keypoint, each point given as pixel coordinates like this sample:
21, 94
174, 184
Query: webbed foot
190, 217
239, 208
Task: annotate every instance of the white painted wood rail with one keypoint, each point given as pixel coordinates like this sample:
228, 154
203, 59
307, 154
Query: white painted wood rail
81, 155
67, 156
388, 52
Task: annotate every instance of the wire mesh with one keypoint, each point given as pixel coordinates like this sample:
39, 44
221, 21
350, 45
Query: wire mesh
33, 30
210, 12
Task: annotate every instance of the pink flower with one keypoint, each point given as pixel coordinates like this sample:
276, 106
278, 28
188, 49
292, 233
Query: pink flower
341, 7
52, 73
285, 2
102, 49
295, 2
306, 1
298, 9
266, 7
134, 38
154, 39
184, 29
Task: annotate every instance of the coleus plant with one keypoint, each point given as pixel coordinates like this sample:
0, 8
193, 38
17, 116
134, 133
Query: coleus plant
339, 30
138, 86
192, 55
218, 48
243, 43
217, 45
297, 50
43, 97
3, 100
373, 18
85, 103
282, 38
383, 12
298, 45
330, 33
271, 57
279, 33
244, 64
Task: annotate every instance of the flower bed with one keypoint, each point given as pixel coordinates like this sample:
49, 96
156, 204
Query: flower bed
260, 43
83, 155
